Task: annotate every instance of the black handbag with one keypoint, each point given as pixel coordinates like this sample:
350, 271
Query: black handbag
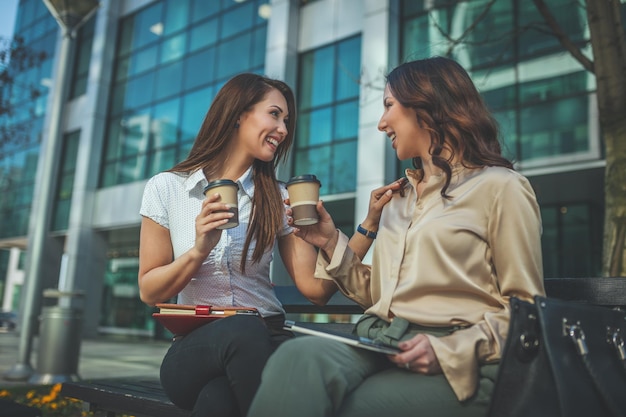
562, 359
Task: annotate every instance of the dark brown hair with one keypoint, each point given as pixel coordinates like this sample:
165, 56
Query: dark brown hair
448, 105
235, 98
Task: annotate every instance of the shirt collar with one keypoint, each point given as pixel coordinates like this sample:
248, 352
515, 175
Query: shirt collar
246, 183
197, 179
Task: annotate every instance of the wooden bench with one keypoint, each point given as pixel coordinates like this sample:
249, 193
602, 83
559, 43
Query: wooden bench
145, 397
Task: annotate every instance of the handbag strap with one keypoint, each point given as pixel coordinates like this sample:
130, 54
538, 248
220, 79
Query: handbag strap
577, 336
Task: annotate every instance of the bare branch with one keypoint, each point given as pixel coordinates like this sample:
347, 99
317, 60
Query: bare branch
558, 33
471, 27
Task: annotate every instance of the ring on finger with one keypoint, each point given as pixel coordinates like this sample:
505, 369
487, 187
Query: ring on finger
406, 365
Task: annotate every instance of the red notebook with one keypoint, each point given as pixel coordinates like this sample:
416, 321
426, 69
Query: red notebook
181, 319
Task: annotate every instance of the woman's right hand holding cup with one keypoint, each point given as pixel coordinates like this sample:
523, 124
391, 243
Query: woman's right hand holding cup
213, 214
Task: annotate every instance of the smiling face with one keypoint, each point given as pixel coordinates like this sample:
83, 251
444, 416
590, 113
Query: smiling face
263, 127
400, 124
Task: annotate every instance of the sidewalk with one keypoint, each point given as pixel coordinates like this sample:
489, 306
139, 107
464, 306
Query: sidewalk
104, 357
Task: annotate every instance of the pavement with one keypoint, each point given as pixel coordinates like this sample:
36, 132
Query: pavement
102, 357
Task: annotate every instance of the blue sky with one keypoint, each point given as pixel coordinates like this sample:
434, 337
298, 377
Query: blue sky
8, 10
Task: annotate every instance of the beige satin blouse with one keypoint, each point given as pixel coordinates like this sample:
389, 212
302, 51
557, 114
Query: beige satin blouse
441, 262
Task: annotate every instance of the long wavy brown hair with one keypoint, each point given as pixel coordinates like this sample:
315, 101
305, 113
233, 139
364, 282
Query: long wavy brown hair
235, 98
448, 105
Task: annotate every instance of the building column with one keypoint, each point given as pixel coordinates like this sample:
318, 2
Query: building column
281, 56
372, 172
85, 248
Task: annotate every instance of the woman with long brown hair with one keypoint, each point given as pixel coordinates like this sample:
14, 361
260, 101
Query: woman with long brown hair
248, 130
451, 250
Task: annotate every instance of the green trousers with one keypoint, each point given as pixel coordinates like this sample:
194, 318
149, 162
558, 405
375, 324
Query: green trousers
313, 376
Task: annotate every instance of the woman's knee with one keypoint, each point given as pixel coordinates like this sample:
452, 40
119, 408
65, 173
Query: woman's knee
310, 355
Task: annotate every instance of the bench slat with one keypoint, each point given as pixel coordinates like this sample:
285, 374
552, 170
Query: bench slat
603, 291
132, 395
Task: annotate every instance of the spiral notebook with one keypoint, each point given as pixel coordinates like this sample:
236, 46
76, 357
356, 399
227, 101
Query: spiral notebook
349, 339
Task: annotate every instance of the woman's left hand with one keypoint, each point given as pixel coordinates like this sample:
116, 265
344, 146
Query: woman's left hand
417, 356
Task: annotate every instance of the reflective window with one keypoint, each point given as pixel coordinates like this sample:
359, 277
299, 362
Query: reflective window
540, 116
61, 215
83, 57
21, 129
171, 56
569, 15
194, 108
567, 233
328, 119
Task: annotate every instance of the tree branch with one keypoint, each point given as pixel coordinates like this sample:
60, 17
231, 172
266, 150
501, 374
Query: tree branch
471, 27
562, 37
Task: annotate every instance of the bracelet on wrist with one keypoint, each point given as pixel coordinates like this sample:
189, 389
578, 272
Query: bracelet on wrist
366, 233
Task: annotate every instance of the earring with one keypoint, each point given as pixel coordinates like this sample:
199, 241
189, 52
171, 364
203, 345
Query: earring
236, 125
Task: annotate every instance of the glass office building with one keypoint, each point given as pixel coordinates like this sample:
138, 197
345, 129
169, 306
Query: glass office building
144, 73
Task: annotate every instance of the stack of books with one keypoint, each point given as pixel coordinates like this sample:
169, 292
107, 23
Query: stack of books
181, 319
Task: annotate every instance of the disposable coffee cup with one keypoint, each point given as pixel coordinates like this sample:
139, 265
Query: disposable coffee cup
304, 192
227, 190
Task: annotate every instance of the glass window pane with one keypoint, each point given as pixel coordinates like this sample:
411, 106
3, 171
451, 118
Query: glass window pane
139, 91
315, 161
148, 25
490, 41
550, 241
508, 133
420, 39
65, 187
203, 35
305, 83
203, 8
176, 16
258, 47
317, 82
135, 135
133, 168
123, 68
348, 69
303, 130
126, 35
344, 167
117, 99
346, 121
195, 107
162, 160
576, 238
569, 15
114, 139
173, 48
70, 151
143, 60
165, 123
238, 20
169, 80
199, 69
555, 128
233, 56
61, 217
109, 174
320, 127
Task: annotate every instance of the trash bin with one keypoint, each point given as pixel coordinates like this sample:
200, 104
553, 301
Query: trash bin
58, 349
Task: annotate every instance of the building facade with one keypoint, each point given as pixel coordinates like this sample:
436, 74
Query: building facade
144, 73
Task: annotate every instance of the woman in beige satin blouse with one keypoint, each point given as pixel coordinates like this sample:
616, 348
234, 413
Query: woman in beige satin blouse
462, 239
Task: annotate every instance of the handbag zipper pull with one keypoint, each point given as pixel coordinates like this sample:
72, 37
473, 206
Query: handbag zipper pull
577, 335
618, 343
